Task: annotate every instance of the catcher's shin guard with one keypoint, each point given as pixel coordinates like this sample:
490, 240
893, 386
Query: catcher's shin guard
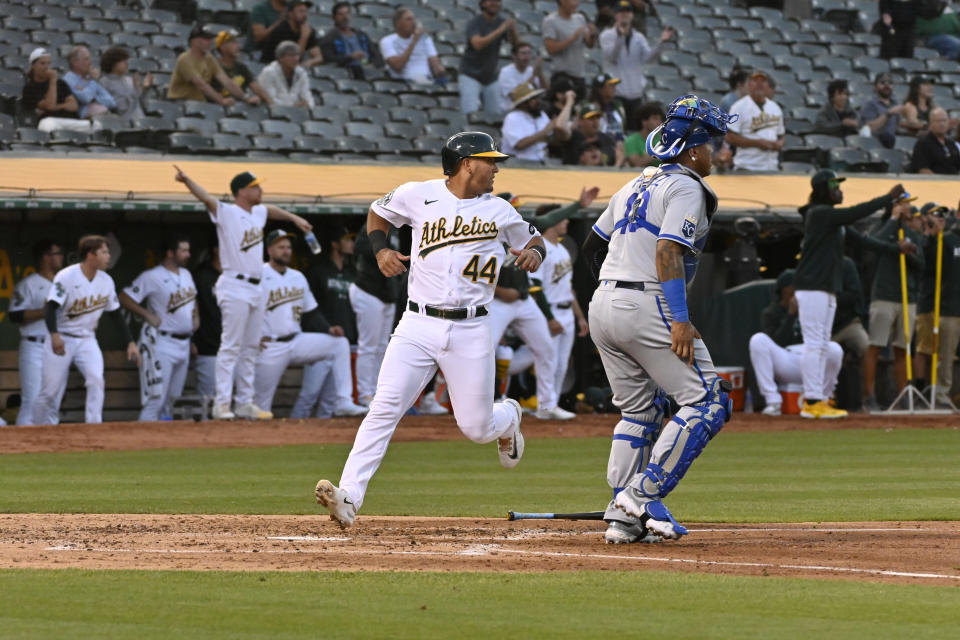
633, 439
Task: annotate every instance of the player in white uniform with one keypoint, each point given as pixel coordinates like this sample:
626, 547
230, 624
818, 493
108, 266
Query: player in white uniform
555, 275
79, 296
27, 309
288, 304
458, 233
240, 238
654, 229
170, 318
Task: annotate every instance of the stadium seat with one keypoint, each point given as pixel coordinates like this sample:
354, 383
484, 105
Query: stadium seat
369, 114
408, 114
259, 154
202, 109
317, 144
328, 130
797, 167
282, 128
239, 126
379, 100
291, 114
366, 130
164, 108
228, 143
30, 135
866, 143
338, 100
197, 125
847, 159
357, 144
897, 160
273, 143
254, 113
417, 101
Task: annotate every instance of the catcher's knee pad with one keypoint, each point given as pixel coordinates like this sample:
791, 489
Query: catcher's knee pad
633, 439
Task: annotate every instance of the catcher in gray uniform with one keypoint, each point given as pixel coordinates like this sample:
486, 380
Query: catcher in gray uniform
646, 246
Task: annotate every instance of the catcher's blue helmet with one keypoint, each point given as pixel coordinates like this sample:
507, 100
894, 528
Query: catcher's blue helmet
690, 122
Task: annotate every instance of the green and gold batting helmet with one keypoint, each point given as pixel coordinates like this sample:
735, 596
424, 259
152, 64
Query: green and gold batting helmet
469, 144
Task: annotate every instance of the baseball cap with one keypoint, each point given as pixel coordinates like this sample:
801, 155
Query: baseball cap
827, 177
277, 234
200, 31
906, 197
513, 199
590, 110
225, 36
625, 5
934, 208
759, 73
785, 279
297, 3
242, 181
605, 79
38, 53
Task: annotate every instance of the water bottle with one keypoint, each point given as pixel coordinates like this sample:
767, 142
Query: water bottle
312, 242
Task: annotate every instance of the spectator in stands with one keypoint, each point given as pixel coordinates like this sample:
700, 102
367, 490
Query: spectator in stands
92, 98
348, 47
837, 118
284, 80
917, 106
758, 133
560, 103
880, 113
588, 133
296, 29
49, 97
738, 87
896, 28
525, 67
848, 329
776, 351
410, 53
228, 46
936, 152
635, 146
613, 117
566, 36
206, 340
527, 128
126, 88
264, 19
478, 66
625, 52
195, 70
939, 29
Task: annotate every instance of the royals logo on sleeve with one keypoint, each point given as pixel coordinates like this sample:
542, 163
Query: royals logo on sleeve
689, 228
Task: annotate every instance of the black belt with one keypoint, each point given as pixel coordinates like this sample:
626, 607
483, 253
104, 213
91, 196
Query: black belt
563, 305
69, 335
446, 314
39, 339
286, 338
240, 276
625, 284
178, 336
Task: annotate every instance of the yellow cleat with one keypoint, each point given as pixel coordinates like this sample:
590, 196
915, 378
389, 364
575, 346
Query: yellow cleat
821, 411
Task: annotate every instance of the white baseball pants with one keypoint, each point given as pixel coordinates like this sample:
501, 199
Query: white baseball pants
317, 386
562, 345
775, 365
206, 368
173, 358
528, 322
241, 307
86, 355
374, 322
462, 349
816, 311
304, 349
31, 376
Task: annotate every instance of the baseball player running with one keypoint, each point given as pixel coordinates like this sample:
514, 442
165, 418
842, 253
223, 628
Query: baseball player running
289, 305
170, 318
654, 229
27, 310
453, 272
79, 296
240, 238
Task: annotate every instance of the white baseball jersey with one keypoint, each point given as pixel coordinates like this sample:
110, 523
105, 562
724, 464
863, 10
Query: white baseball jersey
556, 274
81, 301
170, 296
31, 293
287, 297
241, 238
671, 203
457, 244
758, 123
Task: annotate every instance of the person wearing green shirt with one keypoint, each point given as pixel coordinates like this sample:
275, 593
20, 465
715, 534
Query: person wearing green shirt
819, 276
942, 33
635, 146
264, 18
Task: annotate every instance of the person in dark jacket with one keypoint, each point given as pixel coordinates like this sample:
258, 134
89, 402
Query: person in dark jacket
776, 351
330, 279
895, 27
348, 47
819, 277
206, 340
837, 118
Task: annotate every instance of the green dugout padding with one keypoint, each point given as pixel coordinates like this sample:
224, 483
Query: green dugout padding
726, 321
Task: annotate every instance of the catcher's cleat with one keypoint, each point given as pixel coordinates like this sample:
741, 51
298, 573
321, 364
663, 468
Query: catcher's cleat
625, 533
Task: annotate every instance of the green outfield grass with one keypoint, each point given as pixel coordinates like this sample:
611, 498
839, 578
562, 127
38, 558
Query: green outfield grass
183, 605
777, 477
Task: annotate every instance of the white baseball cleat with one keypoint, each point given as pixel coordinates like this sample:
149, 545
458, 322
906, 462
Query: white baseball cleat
222, 412
250, 411
625, 533
430, 407
655, 515
772, 409
338, 502
556, 413
349, 410
510, 447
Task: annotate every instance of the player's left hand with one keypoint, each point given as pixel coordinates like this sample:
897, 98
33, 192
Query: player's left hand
302, 224
133, 354
528, 259
682, 335
583, 329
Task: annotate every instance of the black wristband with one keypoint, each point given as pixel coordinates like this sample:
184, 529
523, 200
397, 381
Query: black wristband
540, 251
378, 241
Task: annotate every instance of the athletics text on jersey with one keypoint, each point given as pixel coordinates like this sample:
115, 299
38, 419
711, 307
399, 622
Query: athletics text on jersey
556, 274
240, 234
287, 297
170, 296
81, 301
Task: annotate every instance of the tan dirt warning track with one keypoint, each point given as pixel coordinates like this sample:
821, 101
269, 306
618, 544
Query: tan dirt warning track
901, 552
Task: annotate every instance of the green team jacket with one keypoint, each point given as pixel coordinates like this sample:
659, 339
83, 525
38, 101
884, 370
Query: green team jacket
950, 276
886, 281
